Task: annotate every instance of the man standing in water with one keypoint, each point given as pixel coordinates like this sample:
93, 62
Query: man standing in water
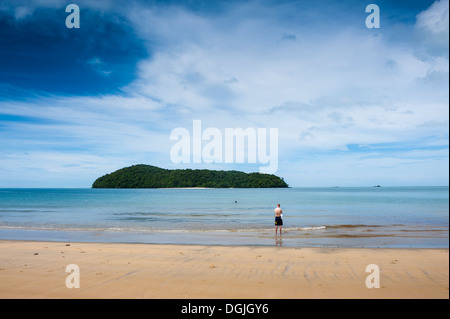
278, 219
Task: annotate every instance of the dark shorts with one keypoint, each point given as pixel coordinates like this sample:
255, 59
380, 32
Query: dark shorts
278, 221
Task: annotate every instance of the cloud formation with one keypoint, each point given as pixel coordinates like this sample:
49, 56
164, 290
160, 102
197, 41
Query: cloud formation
353, 106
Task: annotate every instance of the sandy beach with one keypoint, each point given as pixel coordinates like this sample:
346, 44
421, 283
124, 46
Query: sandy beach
38, 270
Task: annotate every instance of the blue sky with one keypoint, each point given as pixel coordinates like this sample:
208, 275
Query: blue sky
353, 106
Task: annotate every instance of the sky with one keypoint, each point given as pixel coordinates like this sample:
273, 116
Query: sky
352, 105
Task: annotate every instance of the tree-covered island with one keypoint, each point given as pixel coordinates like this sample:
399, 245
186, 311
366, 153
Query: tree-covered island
147, 176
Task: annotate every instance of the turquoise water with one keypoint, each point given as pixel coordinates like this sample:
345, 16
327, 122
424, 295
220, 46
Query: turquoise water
344, 217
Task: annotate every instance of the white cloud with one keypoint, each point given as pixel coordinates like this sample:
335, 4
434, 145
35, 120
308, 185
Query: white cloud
323, 91
435, 18
432, 31
65, 135
193, 72
359, 77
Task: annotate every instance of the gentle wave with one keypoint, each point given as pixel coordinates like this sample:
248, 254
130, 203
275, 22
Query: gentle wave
156, 230
359, 226
292, 236
331, 228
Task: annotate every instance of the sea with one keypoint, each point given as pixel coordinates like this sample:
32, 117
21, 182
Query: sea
385, 217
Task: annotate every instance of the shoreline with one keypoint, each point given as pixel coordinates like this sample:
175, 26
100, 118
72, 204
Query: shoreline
295, 237
37, 269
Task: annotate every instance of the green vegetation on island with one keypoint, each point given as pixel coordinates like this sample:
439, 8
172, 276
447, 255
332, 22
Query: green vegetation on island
147, 176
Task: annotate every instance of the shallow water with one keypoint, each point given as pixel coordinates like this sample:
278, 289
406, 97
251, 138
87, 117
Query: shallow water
348, 217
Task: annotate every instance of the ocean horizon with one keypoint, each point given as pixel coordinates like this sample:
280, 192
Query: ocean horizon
388, 217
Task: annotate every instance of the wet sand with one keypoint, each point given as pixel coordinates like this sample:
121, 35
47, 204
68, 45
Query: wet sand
30, 269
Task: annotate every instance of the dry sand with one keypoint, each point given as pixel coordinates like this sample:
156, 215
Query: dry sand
38, 270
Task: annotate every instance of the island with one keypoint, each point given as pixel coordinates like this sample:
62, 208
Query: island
148, 176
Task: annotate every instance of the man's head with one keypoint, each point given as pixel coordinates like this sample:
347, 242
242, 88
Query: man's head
278, 205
